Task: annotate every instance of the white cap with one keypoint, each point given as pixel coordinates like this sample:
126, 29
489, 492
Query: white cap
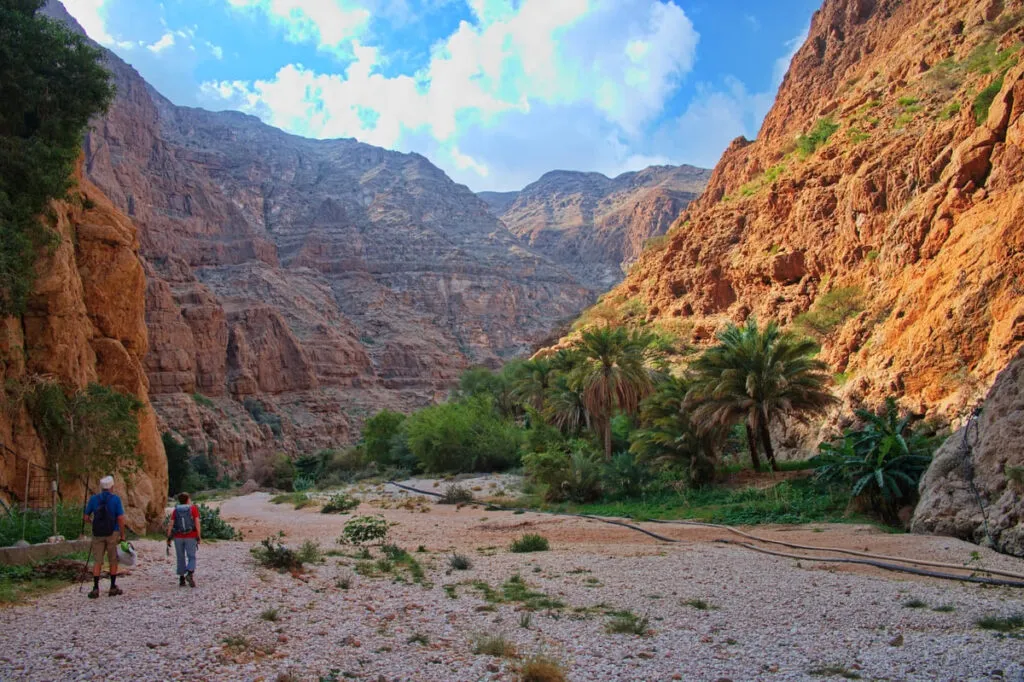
107, 482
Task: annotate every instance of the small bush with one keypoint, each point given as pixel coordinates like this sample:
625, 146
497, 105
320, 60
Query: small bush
365, 530
297, 500
459, 562
531, 542
270, 615
699, 604
340, 503
948, 112
38, 525
915, 603
984, 100
272, 553
456, 494
1001, 623
463, 436
830, 311
419, 638
310, 553
343, 581
574, 475
259, 414
809, 143
542, 668
214, 527
202, 400
494, 645
628, 623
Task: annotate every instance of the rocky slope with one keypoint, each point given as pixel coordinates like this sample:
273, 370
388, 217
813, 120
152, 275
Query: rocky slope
85, 323
883, 195
595, 225
988, 455
311, 282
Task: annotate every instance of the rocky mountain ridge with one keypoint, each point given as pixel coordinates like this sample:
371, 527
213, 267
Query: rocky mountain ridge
295, 286
596, 225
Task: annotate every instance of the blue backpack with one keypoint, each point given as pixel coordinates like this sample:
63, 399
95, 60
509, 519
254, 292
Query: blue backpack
102, 520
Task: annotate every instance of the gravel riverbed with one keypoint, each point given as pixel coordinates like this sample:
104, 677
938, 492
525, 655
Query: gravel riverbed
714, 611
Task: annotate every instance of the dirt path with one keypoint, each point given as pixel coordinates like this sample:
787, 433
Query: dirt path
768, 618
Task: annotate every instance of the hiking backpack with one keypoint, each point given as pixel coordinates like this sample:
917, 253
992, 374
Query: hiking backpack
102, 519
183, 521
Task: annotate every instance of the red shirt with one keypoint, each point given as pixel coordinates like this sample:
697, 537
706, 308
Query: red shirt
195, 522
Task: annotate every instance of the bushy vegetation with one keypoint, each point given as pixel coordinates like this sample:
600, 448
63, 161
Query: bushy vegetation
214, 527
44, 111
38, 525
340, 504
818, 135
190, 473
262, 416
463, 436
829, 311
365, 530
272, 553
983, 100
531, 542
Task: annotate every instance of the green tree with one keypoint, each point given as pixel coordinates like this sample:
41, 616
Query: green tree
480, 382
565, 408
51, 84
668, 437
87, 433
463, 436
178, 466
532, 381
379, 432
758, 375
612, 375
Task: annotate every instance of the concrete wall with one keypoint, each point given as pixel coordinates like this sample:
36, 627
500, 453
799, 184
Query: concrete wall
10, 556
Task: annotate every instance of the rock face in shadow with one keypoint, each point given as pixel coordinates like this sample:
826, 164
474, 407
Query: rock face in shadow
913, 205
987, 454
85, 323
318, 280
594, 225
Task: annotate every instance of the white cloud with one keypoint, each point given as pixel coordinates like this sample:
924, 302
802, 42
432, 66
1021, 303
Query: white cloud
782, 63
91, 14
328, 23
166, 41
216, 50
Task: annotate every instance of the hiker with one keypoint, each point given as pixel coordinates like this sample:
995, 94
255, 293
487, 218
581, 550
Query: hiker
183, 528
106, 513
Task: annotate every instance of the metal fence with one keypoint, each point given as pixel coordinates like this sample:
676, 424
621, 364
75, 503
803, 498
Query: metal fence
31, 489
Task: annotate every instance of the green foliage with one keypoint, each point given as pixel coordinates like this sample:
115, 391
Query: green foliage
907, 101
261, 416
272, 553
572, 473
178, 467
830, 310
365, 530
668, 438
988, 58
494, 645
38, 525
949, 111
807, 144
203, 401
384, 440
881, 462
296, 499
214, 527
278, 472
459, 562
1001, 623
983, 100
763, 180
88, 433
755, 376
51, 84
343, 466
628, 623
340, 503
856, 135
456, 494
656, 243
310, 553
463, 436
626, 476
496, 388
531, 542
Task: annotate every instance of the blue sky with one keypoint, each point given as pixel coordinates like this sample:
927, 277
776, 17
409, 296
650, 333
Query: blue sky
495, 92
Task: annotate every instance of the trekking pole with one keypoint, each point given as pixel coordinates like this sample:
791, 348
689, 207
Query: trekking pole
85, 571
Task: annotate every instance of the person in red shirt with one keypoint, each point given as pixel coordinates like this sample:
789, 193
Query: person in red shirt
184, 530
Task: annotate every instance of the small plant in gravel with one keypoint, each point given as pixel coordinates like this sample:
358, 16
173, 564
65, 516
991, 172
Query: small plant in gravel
628, 623
699, 604
237, 643
945, 608
384, 565
340, 503
835, 670
456, 494
297, 500
365, 530
343, 581
915, 603
542, 668
515, 589
270, 615
418, 638
494, 645
531, 542
1001, 623
272, 553
310, 553
525, 620
450, 590
459, 562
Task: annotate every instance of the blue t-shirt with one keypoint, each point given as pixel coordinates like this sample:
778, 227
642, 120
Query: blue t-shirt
113, 506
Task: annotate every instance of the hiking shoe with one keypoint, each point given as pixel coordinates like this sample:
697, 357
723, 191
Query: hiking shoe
114, 591
191, 582
181, 581
94, 593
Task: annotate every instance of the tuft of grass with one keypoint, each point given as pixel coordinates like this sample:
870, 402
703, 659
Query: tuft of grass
202, 400
271, 615
907, 101
915, 603
340, 504
237, 642
494, 645
525, 620
830, 311
983, 100
699, 604
949, 111
1001, 623
542, 668
818, 135
628, 623
344, 581
297, 500
531, 542
418, 638
310, 552
460, 562
945, 608
456, 494
835, 670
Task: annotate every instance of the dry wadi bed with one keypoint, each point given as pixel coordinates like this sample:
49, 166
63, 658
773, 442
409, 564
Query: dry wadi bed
768, 618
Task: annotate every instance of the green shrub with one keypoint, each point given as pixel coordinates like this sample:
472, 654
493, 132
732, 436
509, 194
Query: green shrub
214, 527
463, 437
383, 440
494, 645
882, 461
531, 542
272, 553
38, 525
830, 311
260, 415
626, 476
365, 530
310, 553
574, 475
456, 494
278, 473
459, 562
1002, 623
343, 466
818, 135
628, 623
542, 668
984, 100
340, 503
202, 400
949, 111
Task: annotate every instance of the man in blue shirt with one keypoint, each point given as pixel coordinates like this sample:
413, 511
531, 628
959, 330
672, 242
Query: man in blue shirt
106, 513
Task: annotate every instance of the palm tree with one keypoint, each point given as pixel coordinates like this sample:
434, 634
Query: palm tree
564, 408
667, 435
531, 382
612, 375
758, 375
